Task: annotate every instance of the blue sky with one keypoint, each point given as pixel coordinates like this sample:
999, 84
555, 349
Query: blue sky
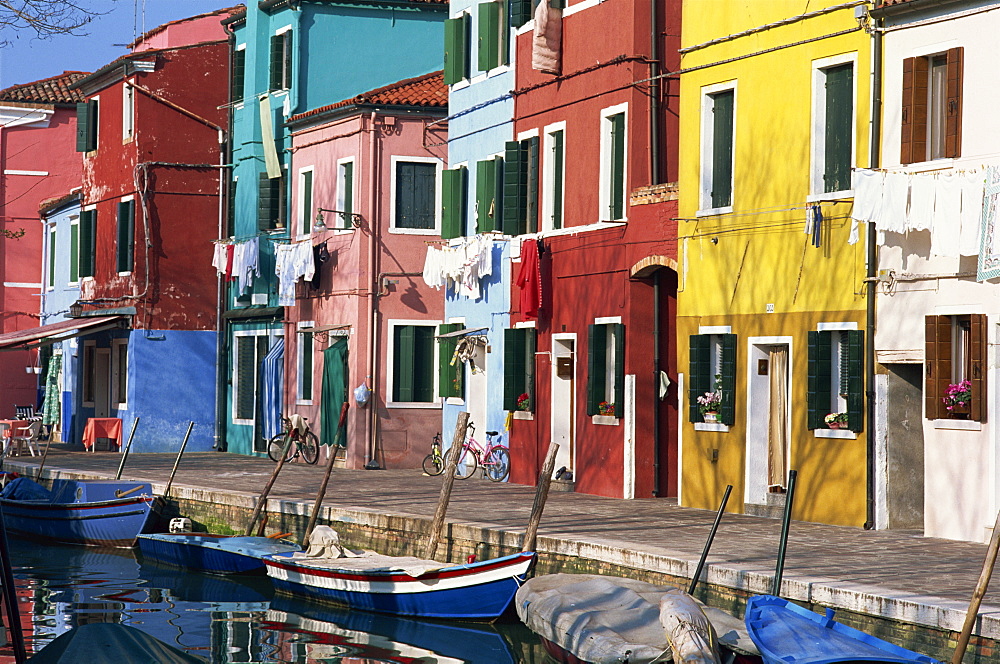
27, 58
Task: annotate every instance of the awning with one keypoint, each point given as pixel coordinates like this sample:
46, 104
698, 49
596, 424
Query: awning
66, 329
463, 332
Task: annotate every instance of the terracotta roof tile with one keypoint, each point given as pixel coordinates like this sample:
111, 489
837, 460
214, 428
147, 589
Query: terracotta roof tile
427, 90
54, 90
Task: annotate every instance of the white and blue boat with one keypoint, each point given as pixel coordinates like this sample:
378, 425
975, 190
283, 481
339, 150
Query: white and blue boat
91, 512
216, 554
786, 633
404, 586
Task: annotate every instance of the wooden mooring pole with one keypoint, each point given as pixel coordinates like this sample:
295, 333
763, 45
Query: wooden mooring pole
270, 482
786, 522
711, 537
177, 461
437, 525
321, 494
977, 595
541, 495
128, 446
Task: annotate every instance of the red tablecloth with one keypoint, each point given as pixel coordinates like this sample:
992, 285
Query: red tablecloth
102, 427
10, 428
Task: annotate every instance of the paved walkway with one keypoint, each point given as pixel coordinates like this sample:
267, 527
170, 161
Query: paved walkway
901, 576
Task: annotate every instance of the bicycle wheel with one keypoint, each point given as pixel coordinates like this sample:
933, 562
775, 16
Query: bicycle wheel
496, 466
467, 464
274, 447
309, 446
433, 464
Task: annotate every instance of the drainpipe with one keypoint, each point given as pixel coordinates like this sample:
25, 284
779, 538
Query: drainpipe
656, 383
221, 327
373, 270
872, 274
654, 95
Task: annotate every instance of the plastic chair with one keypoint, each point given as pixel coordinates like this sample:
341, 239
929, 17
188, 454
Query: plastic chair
24, 412
29, 437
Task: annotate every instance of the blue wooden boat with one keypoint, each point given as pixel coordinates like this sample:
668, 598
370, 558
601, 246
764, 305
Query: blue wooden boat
786, 633
217, 554
92, 512
475, 591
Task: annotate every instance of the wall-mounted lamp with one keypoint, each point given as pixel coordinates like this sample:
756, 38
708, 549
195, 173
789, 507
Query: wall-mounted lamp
321, 224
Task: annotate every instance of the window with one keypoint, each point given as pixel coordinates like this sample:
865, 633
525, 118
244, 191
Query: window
270, 203
125, 255
489, 180
88, 377
88, 242
521, 11
519, 366
86, 126
413, 363
492, 36
605, 369
613, 164
712, 369
451, 372
128, 111
74, 249
304, 391
415, 196
239, 74
454, 186
457, 36
833, 125
249, 351
553, 176
932, 107
52, 257
345, 191
305, 200
520, 187
281, 60
836, 377
718, 120
955, 351
119, 372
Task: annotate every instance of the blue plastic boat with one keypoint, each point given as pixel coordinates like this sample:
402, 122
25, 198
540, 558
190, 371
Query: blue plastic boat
93, 512
786, 633
217, 554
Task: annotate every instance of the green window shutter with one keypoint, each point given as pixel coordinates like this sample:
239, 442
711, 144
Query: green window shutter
855, 379
699, 372
126, 236
515, 188
837, 139
530, 147
530, 344
451, 377
519, 12
818, 398
348, 194
306, 369
239, 73
423, 369
558, 176
82, 126
287, 64
307, 201
52, 258
277, 62
597, 344
617, 179
245, 377
727, 368
453, 188
88, 231
456, 49
722, 148
513, 369
618, 330
403, 363
74, 252
267, 202
489, 36
415, 183
486, 191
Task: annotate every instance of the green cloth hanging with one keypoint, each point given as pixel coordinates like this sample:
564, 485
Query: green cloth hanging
52, 401
334, 394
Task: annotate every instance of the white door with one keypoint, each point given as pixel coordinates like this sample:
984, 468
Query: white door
476, 386
563, 397
769, 373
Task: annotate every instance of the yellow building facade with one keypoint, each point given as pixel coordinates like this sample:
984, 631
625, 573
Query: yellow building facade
775, 108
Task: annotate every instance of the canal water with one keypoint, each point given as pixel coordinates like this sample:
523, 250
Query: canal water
235, 620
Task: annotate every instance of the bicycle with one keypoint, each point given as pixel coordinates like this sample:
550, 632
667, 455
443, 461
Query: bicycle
304, 444
434, 462
494, 458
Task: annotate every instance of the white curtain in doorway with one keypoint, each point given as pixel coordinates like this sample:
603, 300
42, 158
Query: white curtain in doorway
777, 434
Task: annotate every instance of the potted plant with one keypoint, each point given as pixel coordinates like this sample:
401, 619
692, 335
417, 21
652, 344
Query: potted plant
709, 405
836, 420
605, 408
957, 398
524, 402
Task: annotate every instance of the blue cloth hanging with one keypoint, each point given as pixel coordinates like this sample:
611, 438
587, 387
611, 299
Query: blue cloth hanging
272, 370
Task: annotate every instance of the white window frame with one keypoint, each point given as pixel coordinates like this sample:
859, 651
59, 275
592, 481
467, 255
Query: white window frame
548, 175
288, 84
301, 217
390, 374
817, 148
239, 103
135, 215
604, 195
74, 227
128, 112
300, 364
708, 143
234, 376
87, 208
342, 190
439, 166
50, 250
118, 400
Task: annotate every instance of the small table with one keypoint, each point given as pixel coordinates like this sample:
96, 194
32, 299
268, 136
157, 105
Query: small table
9, 428
102, 427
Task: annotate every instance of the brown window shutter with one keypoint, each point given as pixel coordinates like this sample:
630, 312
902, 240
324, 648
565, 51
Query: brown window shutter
906, 139
937, 360
953, 119
977, 366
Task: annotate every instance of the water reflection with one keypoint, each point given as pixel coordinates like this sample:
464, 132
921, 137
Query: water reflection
235, 619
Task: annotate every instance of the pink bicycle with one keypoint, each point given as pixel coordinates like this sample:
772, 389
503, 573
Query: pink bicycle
494, 458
